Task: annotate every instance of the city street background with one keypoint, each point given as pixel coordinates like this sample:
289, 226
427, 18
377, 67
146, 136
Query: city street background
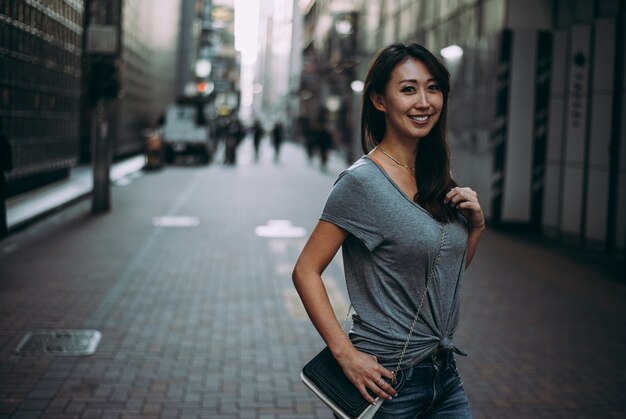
201, 320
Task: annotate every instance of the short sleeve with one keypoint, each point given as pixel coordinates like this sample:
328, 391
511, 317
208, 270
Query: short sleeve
350, 207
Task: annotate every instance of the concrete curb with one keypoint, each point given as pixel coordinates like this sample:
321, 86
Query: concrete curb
28, 208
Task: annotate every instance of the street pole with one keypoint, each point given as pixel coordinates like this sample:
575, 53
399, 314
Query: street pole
101, 157
103, 45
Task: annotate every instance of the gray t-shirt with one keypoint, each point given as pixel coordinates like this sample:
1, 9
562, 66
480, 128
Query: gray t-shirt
389, 252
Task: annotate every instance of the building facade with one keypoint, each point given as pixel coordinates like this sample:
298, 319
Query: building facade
278, 63
331, 54
216, 46
187, 47
537, 103
208, 65
147, 53
42, 80
40, 77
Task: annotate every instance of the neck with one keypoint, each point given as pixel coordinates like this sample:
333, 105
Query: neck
404, 152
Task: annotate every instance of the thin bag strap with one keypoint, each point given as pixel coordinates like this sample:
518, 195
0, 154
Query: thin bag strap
421, 303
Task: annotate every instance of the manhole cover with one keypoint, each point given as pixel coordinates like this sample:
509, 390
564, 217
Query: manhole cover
59, 342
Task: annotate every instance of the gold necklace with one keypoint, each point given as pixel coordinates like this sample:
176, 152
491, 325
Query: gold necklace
410, 169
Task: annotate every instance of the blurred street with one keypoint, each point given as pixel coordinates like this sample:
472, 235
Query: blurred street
199, 317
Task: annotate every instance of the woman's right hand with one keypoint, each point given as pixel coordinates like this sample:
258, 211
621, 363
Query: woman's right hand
364, 371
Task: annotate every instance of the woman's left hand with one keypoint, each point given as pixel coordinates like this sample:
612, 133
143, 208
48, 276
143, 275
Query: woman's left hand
466, 201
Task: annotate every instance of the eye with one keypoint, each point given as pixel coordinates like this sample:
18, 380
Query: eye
408, 89
434, 87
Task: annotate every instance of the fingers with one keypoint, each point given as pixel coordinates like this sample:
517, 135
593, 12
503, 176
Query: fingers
369, 377
385, 389
461, 198
380, 385
466, 199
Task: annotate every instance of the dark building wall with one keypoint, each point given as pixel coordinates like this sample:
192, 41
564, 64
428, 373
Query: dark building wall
147, 59
149, 45
40, 73
134, 106
187, 46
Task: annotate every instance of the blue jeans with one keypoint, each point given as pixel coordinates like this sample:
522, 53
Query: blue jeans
431, 389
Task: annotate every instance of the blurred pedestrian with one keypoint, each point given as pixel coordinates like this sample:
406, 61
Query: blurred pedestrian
308, 134
407, 232
277, 139
324, 142
257, 132
6, 165
235, 133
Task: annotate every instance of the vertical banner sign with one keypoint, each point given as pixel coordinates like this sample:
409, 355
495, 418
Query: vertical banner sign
498, 134
578, 93
576, 129
543, 73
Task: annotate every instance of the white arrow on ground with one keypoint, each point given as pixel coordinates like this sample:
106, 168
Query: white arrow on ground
282, 229
175, 221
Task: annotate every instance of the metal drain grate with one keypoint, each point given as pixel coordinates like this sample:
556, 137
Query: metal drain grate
59, 342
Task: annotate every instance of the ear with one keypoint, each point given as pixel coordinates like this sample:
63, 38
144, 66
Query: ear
377, 101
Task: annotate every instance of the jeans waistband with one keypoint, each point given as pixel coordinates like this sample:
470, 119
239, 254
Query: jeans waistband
436, 359
438, 356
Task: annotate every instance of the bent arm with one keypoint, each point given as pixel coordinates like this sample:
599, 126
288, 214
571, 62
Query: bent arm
361, 369
325, 241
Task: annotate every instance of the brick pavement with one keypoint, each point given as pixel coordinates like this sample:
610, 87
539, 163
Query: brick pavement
203, 322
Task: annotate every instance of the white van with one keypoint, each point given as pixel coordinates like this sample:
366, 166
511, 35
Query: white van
183, 136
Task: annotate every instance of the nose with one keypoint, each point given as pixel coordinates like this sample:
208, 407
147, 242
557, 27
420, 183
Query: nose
421, 101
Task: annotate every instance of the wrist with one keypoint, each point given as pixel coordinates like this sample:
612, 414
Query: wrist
342, 350
479, 227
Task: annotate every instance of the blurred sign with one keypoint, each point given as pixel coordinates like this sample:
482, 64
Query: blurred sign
579, 78
101, 39
223, 85
576, 133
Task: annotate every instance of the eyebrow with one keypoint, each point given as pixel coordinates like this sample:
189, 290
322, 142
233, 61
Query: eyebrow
415, 81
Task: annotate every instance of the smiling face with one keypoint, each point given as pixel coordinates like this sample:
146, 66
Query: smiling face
412, 101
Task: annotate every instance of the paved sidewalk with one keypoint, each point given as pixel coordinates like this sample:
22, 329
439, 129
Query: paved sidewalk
199, 319
24, 209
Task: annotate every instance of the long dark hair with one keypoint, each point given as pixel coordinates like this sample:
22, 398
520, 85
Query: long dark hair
432, 162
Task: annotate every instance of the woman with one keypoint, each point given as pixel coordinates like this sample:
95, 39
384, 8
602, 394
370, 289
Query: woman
400, 219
